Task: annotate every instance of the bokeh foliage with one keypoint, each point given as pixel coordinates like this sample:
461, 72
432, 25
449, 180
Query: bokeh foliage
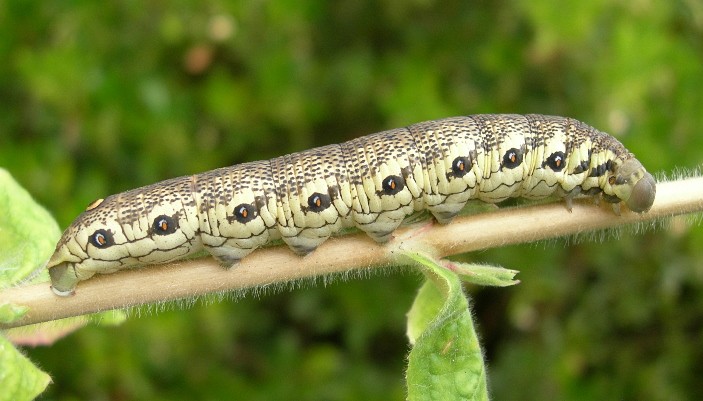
100, 97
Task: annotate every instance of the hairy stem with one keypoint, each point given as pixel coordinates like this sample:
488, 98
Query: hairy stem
187, 279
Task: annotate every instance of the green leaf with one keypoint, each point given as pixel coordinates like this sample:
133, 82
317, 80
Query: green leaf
446, 362
494, 276
28, 234
427, 304
11, 312
19, 378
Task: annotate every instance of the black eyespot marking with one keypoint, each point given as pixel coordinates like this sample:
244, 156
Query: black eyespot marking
460, 166
244, 213
556, 161
393, 184
512, 158
102, 239
318, 202
612, 180
164, 225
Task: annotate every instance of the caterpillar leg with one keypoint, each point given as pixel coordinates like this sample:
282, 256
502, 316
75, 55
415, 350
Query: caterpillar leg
303, 240
226, 256
380, 236
306, 241
569, 197
381, 228
445, 208
226, 260
444, 217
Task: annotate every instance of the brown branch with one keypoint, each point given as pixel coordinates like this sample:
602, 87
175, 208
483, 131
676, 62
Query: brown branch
187, 279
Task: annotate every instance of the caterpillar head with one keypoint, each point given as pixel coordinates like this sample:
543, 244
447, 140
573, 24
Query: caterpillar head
632, 184
85, 239
103, 239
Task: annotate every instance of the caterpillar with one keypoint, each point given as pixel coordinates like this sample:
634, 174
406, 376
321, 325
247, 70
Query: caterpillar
372, 182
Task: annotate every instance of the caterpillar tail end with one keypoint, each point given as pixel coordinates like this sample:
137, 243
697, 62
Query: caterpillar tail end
63, 279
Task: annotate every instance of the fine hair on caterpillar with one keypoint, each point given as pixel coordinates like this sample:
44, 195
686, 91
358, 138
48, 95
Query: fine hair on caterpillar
371, 183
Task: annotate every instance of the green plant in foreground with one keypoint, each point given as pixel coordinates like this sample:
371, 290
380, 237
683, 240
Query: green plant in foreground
26, 234
446, 360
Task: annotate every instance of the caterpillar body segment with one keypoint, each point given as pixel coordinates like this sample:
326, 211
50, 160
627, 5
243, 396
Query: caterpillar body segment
372, 182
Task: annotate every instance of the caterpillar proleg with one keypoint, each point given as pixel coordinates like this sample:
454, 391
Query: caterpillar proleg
372, 182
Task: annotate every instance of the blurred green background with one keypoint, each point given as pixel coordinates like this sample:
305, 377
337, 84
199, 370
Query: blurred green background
101, 97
